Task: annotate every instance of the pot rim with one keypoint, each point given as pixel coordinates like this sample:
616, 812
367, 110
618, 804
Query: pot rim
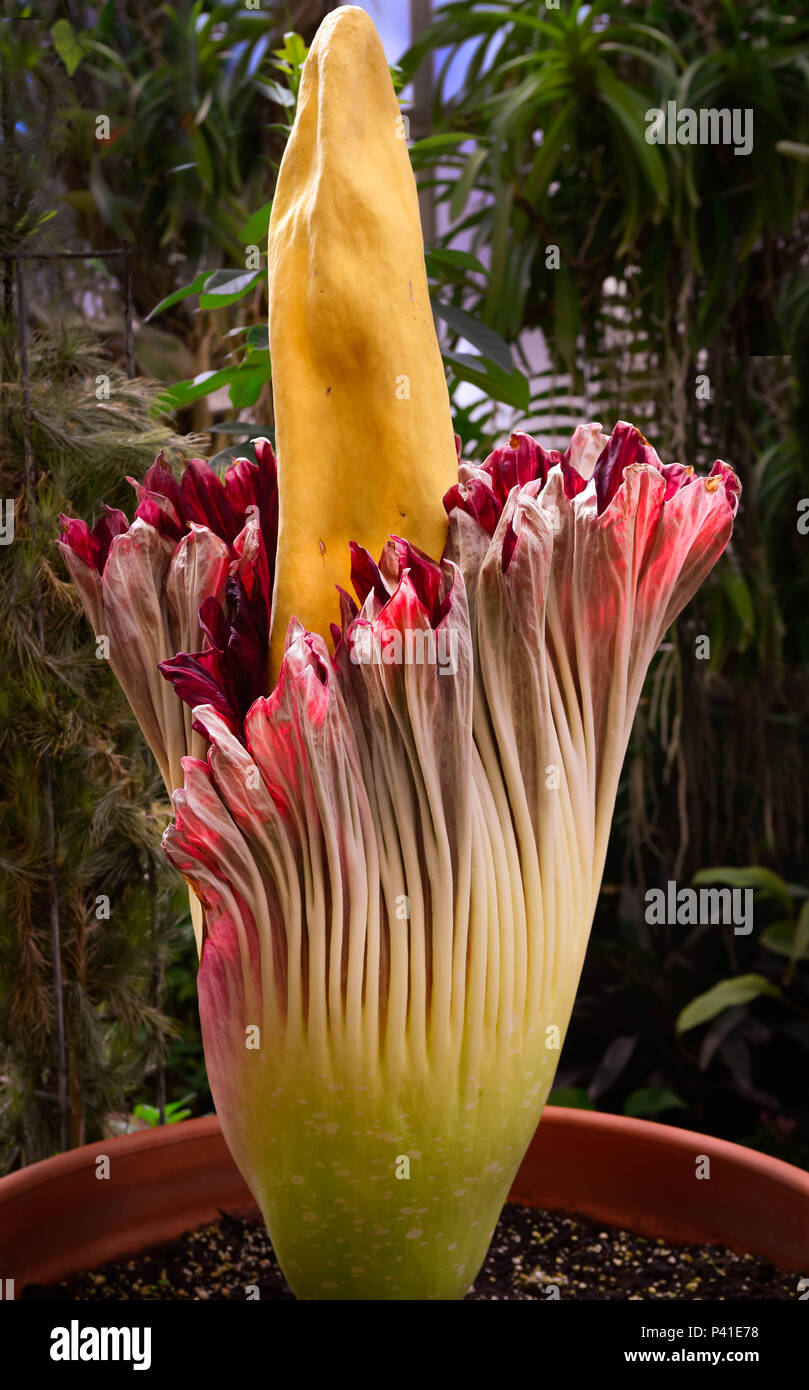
205, 1126
619, 1170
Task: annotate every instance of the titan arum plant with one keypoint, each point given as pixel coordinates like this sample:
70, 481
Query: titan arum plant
396, 856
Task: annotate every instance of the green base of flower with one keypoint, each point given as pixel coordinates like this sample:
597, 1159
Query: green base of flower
390, 1191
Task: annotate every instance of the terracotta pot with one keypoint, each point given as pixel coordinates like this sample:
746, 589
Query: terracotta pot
58, 1218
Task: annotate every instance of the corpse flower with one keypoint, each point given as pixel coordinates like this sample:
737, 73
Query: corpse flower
400, 862
399, 845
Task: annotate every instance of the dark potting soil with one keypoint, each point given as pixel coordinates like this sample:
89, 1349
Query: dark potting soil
532, 1254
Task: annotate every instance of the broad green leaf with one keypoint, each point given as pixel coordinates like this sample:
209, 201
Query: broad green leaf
571, 1097
466, 182
294, 50
735, 587
258, 359
800, 946
226, 287
257, 225
446, 256
554, 137
185, 293
780, 938
478, 334
70, 46
148, 1113
258, 336
631, 50
756, 876
499, 243
246, 388
511, 388
111, 58
202, 154
627, 110
650, 1100
437, 144
182, 393
740, 989
275, 92
241, 427
174, 1114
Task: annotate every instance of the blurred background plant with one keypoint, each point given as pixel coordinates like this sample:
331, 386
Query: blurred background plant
577, 272
95, 881
698, 1026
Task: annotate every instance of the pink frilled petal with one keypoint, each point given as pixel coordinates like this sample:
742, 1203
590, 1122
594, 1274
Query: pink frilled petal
92, 547
475, 496
198, 571
197, 575
229, 672
521, 461
482, 490
584, 448
150, 597
152, 510
729, 481
276, 731
134, 621
255, 486
160, 482
86, 552
77, 537
625, 447
430, 584
366, 576
111, 523
206, 501
160, 500
230, 985
80, 552
240, 483
570, 602
189, 538
146, 604
252, 563
312, 792
200, 678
